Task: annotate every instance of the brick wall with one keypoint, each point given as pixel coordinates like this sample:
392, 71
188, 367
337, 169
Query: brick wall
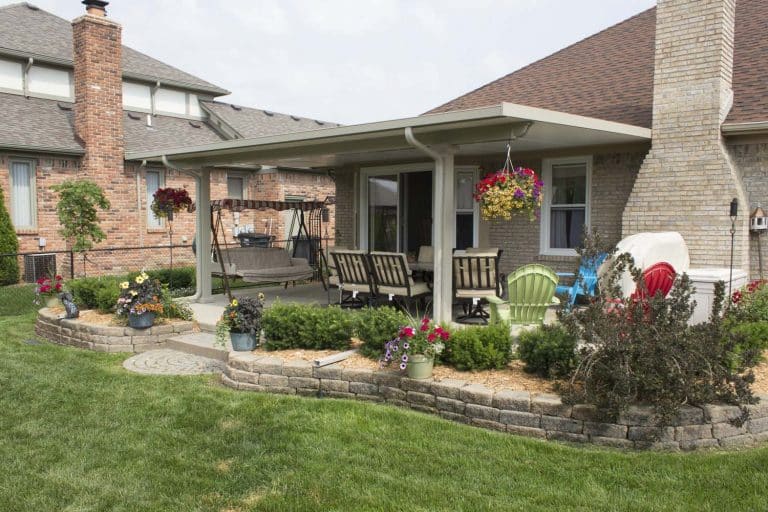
688, 180
752, 162
345, 211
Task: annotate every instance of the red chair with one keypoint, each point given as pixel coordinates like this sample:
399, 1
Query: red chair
657, 278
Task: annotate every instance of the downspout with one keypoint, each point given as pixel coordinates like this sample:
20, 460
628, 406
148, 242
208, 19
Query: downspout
25, 78
442, 212
198, 179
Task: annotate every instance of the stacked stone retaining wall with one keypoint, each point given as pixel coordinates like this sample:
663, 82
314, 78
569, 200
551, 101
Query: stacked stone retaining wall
105, 338
516, 412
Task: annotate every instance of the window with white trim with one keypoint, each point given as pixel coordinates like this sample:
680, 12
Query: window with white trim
138, 96
565, 210
23, 203
155, 179
11, 75
49, 81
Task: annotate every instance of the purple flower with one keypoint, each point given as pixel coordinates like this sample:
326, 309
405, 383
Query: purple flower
394, 348
405, 358
519, 194
402, 366
406, 346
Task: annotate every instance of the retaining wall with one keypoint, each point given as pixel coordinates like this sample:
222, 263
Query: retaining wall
517, 412
105, 338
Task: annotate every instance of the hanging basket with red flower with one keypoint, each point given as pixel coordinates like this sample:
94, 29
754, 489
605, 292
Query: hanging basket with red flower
167, 201
509, 191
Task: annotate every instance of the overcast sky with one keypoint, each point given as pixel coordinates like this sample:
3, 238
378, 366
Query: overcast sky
353, 61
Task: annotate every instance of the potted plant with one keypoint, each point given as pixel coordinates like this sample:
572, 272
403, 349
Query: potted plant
48, 289
242, 321
509, 191
167, 201
415, 349
140, 301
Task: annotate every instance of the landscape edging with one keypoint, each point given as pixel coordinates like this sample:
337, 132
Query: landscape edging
517, 412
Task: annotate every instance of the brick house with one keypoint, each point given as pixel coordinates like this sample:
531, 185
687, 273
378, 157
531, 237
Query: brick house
75, 101
653, 124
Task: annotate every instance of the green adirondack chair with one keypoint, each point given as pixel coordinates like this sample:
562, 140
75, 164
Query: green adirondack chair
531, 290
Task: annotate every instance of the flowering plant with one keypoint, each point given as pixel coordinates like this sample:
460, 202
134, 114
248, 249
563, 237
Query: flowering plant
507, 191
739, 295
429, 340
140, 295
166, 200
240, 315
48, 287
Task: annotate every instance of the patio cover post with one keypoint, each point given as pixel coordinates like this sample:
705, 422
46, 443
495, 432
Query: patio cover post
203, 231
443, 229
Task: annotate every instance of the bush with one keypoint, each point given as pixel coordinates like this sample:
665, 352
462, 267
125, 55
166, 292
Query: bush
9, 265
645, 351
549, 351
747, 320
376, 326
306, 326
480, 348
99, 293
180, 278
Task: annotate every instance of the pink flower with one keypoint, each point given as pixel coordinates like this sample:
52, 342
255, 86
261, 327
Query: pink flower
431, 337
408, 332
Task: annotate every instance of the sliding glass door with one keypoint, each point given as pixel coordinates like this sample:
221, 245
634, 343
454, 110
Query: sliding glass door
383, 213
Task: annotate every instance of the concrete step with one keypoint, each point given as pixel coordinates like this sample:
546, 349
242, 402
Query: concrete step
199, 343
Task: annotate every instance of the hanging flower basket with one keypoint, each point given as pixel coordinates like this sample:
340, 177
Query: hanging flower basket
167, 201
509, 191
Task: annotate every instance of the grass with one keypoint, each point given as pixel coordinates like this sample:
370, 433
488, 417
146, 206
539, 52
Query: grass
78, 433
17, 300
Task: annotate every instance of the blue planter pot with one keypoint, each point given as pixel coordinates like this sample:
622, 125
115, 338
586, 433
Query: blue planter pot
243, 341
141, 321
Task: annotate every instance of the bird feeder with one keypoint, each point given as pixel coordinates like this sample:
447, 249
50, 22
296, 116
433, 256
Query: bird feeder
758, 221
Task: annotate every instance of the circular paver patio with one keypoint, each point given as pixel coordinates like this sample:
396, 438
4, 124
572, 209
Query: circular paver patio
172, 362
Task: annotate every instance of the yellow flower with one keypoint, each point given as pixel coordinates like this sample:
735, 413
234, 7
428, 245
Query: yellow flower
139, 279
144, 276
234, 302
261, 297
134, 293
124, 285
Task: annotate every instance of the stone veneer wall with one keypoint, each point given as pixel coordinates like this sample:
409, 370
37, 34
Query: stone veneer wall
516, 412
105, 338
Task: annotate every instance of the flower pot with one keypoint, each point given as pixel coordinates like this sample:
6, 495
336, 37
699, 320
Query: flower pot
142, 320
242, 341
419, 366
52, 302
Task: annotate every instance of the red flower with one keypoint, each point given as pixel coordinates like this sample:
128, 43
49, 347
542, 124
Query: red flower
431, 337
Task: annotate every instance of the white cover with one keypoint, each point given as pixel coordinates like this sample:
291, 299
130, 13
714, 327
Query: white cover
648, 249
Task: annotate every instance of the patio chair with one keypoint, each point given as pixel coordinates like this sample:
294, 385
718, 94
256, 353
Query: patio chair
658, 278
475, 278
392, 278
352, 277
531, 290
584, 283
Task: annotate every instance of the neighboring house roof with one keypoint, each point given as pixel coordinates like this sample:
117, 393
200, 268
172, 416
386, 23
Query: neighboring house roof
37, 123
610, 75
165, 132
250, 122
28, 30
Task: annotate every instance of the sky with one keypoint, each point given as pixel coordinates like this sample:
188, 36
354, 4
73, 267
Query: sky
353, 61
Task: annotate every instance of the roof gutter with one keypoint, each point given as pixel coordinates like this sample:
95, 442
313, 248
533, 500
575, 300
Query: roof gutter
42, 149
755, 128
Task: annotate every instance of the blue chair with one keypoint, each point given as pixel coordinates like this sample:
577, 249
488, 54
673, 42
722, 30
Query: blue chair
583, 284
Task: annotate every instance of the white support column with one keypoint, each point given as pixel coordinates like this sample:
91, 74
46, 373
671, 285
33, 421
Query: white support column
203, 233
443, 200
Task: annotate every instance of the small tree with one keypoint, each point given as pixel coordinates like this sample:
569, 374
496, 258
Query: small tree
9, 265
78, 215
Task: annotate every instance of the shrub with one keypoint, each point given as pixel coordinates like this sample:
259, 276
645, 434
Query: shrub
549, 351
78, 214
747, 320
645, 351
376, 326
9, 265
174, 309
180, 278
480, 348
306, 326
98, 293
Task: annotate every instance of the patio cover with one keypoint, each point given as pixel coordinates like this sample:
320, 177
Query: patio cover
437, 137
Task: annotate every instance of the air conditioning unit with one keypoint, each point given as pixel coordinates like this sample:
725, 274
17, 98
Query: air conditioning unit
38, 265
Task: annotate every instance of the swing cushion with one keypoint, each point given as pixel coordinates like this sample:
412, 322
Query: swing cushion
267, 265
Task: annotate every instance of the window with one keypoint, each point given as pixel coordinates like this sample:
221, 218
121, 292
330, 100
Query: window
565, 210
23, 206
235, 187
465, 209
137, 96
49, 81
170, 101
193, 106
155, 180
11, 74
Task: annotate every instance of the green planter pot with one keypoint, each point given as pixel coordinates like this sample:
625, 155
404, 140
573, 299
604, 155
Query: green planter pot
141, 321
52, 301
419, 366
242, 341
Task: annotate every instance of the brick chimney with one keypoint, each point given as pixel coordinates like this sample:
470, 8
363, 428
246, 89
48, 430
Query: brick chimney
687, 180
98, 90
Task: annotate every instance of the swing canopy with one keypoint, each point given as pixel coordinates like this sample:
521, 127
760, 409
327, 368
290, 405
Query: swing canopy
238, 205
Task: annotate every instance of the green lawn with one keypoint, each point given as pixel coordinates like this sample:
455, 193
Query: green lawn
78, 433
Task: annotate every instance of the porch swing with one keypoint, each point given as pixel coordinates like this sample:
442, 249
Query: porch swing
302, 258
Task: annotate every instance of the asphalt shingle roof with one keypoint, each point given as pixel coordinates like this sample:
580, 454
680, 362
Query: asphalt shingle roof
165, 132
32, 31
37, 123
610, 75
250, 122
